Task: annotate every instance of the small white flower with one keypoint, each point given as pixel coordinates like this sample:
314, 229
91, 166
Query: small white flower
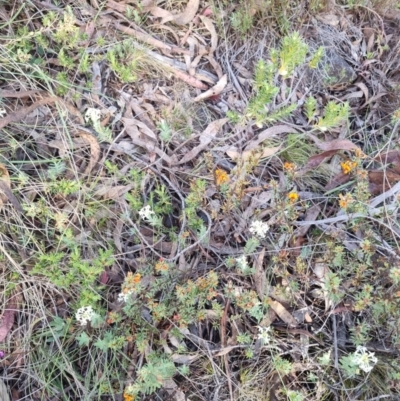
123, 297
93, 115
242, 263
2, 113
364, 359
84, 315
146, 213
263, 334
259, 228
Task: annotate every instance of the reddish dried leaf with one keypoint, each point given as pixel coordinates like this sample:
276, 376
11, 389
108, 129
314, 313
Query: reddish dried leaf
392, 156
339, 179
336, 144
381, 181
314, 161
260, 279
7, 320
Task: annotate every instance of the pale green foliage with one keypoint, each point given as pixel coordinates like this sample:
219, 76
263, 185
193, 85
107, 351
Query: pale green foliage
316, 58
310, 106
334, 114
293, 53
282, 366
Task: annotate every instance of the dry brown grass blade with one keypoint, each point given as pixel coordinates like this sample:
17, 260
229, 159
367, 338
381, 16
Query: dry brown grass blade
282, 312
214, 91
205, 139
17, 116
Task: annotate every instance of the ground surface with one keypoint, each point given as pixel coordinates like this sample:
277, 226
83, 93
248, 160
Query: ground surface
199, 200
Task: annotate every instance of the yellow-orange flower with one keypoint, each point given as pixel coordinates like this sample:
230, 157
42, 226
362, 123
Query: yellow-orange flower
290, 167
348, 166
133, 278
161, 266
293, 196
128, 397
345, 200
221, 176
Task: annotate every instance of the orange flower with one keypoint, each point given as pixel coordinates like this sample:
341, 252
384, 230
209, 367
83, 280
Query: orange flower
221, 176
293, 196
348, 166
161, 266
290, 167
133, 279
128, 397
345, 200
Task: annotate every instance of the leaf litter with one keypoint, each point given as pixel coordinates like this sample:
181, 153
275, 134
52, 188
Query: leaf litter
151, 152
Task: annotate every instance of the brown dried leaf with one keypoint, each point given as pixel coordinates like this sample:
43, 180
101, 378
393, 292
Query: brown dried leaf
381, 181
205, 139
7, 319
311, 215
314, 161
269, 133
391, 156
94, 150
188, 14
112, 192
339, 179
215, 90
283, 314
23, 112
260, 279
208, 23
336, 144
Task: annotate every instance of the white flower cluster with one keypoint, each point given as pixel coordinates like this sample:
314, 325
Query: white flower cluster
364, 359
146, 213
123, 297
84, 315
259, 228
263, 334
92, 115
242, 263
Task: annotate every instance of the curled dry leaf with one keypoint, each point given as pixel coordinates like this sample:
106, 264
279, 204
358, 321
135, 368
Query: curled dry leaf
112, 192
94, 150
282, 312
211, 28
215, 90
205, 139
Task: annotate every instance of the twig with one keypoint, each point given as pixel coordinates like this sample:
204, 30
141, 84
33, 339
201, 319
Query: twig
223, 342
